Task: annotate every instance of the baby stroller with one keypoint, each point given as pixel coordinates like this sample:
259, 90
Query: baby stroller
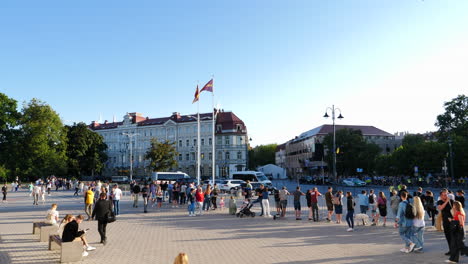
245, 210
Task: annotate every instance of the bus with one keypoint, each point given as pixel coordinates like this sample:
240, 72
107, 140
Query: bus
169, 176
252, 176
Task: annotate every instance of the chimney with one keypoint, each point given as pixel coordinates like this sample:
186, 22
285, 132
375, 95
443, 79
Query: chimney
175, 116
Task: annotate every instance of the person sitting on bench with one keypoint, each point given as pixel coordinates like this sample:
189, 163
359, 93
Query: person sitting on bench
71, 233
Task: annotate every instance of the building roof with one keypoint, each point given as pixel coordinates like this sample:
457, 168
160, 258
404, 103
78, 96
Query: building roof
228, 121
326, 129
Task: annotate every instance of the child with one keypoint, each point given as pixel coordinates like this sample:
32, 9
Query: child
191, 201
221, 203
232, 206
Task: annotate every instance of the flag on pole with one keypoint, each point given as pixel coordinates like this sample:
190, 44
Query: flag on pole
197, 96
208, 86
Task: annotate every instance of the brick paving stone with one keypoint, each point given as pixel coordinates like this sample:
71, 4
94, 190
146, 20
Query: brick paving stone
215, 237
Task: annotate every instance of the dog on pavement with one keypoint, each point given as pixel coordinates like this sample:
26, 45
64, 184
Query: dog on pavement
361, 218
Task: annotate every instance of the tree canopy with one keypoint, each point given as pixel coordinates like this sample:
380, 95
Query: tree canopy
162, 155
262, 155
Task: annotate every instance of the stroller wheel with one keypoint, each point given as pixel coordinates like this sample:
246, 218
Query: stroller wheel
237, 214
274, 217
253, 215
241, 216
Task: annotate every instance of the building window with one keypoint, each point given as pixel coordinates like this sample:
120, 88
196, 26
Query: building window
194, 142
193, 155
239, 127
219, 140
202, 142
220, 157
239, 155
180, 143
228, 155
187, 142
210, 156
210, 141
180, 157
219, 128
226, 140
202, 156
187, 156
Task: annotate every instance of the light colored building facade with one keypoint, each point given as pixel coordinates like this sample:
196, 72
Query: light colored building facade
231, 142
306, 150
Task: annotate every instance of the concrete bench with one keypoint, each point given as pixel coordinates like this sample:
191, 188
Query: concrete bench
47, 231
69, 251
38, 225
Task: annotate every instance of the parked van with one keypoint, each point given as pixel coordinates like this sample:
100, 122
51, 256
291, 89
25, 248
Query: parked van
252, 176
169, 176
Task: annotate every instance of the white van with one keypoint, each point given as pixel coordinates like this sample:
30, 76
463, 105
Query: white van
252, 176
169, 176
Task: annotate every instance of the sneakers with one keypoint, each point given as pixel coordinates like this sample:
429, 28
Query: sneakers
411, 247
349, 229
418, 249
85, 253
403, 250
90, 248
373, 224
449, 261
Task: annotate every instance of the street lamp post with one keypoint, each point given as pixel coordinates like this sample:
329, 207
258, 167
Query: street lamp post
450, 142
130, 136
333, 109
198, 148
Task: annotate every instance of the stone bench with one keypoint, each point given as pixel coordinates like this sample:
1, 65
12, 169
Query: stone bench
69, 251
46, 232
38, 225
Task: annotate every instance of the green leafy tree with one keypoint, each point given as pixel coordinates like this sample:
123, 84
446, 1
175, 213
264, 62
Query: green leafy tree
42, 142
162, 155
9, 117
262, 155
86, 150
354, 152
453, 124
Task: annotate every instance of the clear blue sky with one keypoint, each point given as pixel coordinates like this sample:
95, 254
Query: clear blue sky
277, 64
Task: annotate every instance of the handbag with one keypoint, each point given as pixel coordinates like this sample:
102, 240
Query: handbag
111, 217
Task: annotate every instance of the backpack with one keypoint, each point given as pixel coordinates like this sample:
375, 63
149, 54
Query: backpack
371, 198
336, 200
409, 213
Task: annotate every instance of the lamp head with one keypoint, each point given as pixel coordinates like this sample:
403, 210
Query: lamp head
326, 115
340, 116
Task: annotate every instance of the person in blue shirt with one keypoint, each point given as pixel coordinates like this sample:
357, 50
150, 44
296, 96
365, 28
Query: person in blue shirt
404, 224
363, 202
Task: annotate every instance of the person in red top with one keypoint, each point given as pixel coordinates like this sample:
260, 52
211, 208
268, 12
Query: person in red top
457, 233
313, 208
200, 197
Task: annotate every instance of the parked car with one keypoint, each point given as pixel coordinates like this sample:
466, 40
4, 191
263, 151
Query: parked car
217, 181
306, 180
353, 182
229, 185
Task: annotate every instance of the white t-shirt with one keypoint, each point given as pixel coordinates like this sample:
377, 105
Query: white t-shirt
117, 194
52, 216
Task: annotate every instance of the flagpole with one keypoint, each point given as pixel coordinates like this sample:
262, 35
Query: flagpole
213, 156
198, 142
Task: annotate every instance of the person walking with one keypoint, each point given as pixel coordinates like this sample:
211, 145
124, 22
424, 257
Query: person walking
460, 197
314, 203
191, 200
89, 201
159, 196
445, 205
200, 197
175, 195
418, 223
329, 203
297, 202
429, 205
381, 209
207, 198
214, 196
145, 196
404, 223
183, 193
394, 202
4, 192
101, 212
457, 233
338, 204
283, 195
266, 202
372, 204
36, 192
350, 211
363, 202
136, 192
116, 195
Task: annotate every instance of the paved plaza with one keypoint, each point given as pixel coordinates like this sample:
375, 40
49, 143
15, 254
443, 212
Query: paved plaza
215, 237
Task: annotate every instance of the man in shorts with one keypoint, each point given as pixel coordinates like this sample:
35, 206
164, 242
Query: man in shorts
328, 201
283, 195
297, 202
